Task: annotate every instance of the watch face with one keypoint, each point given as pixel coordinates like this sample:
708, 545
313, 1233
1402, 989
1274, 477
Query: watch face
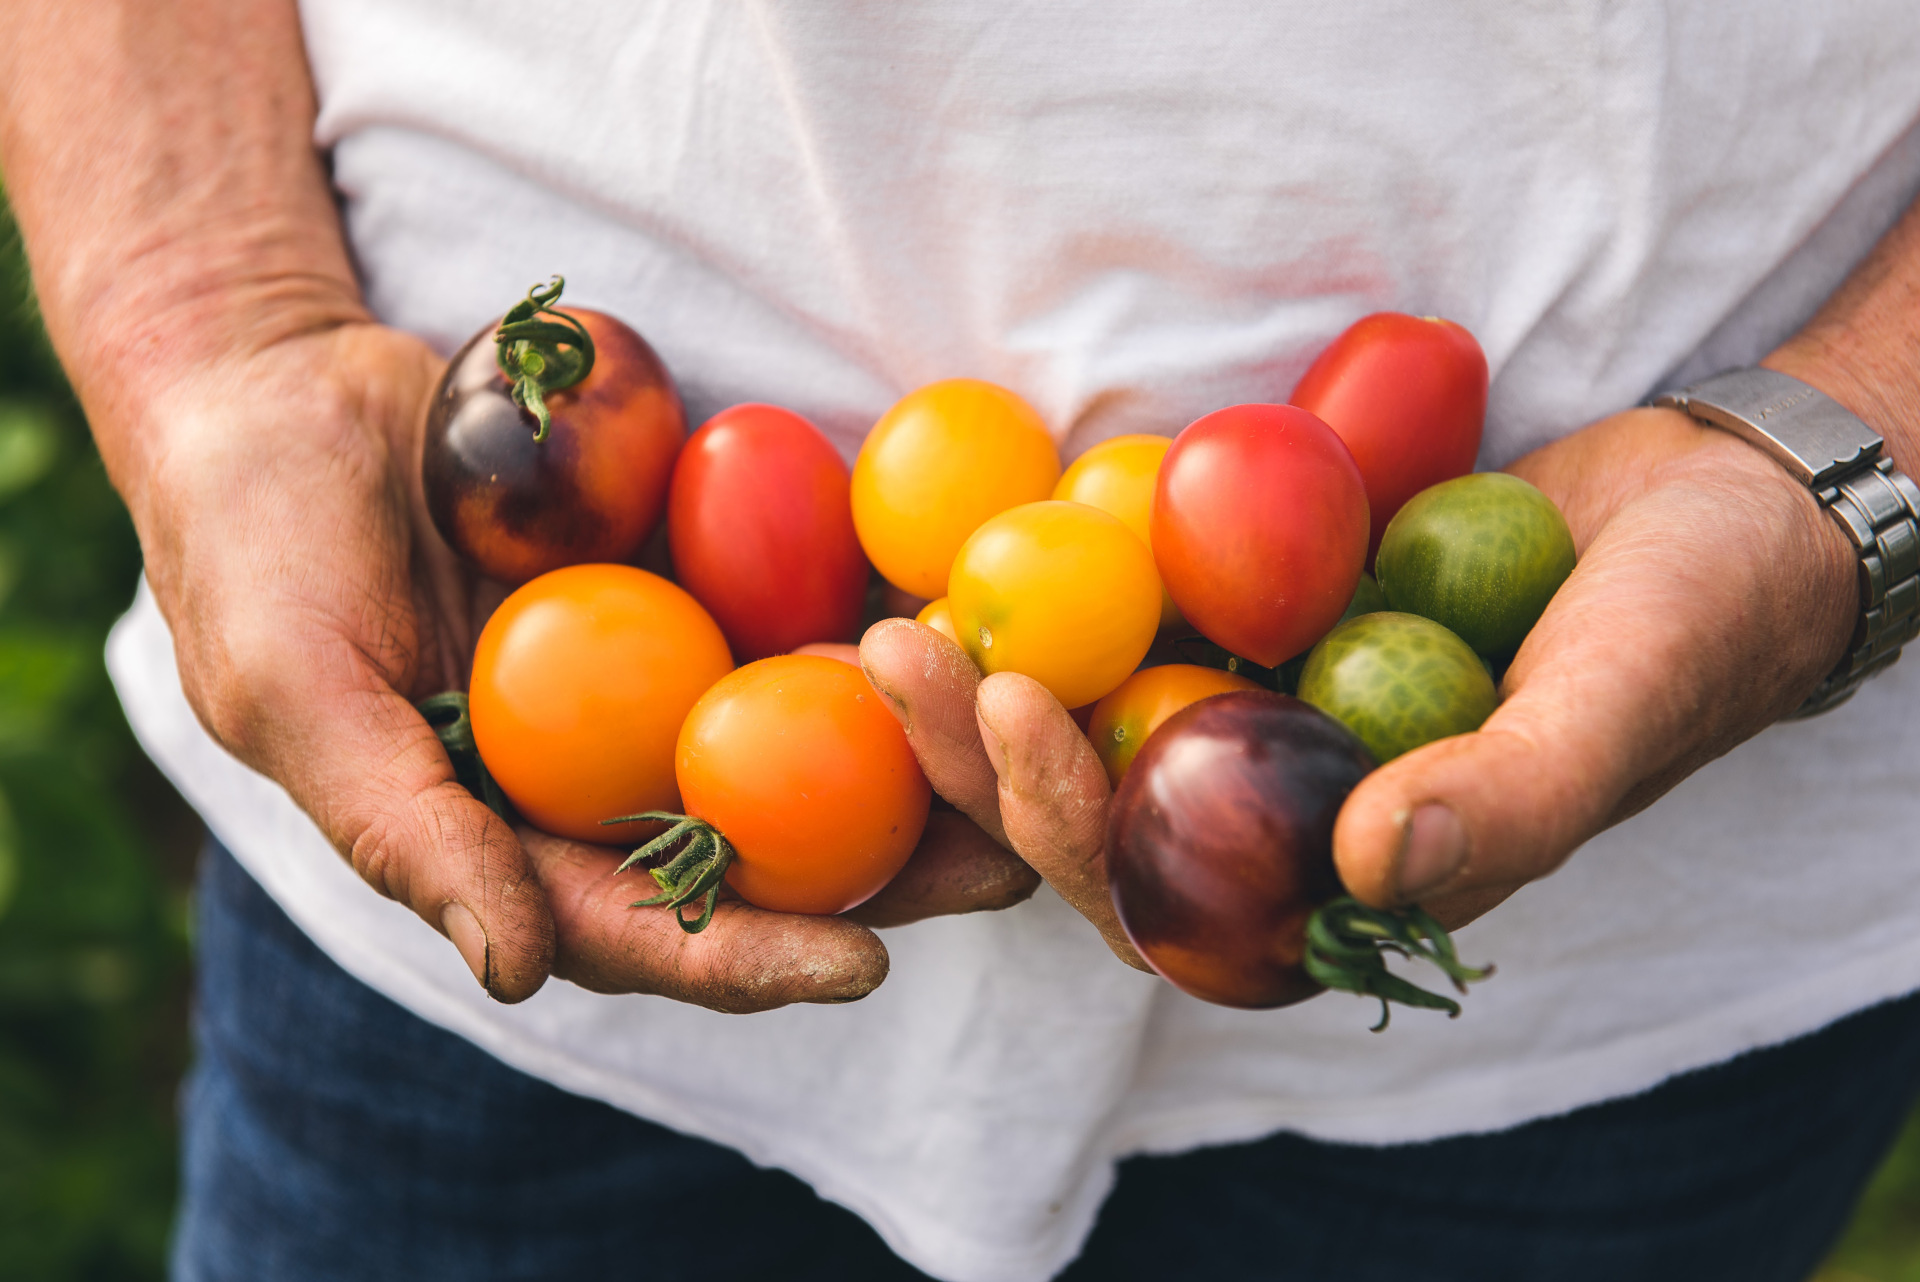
1809, 433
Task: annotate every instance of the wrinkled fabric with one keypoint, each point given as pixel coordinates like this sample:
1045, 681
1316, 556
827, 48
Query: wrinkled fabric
1134, 213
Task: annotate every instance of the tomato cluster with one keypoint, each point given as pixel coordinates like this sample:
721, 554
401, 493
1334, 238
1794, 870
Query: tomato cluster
606, 703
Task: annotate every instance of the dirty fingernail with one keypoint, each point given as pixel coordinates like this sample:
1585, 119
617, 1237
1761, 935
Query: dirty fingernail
892, 700
463, 928
1435, 852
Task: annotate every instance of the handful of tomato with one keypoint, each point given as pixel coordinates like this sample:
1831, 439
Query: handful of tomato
605, 702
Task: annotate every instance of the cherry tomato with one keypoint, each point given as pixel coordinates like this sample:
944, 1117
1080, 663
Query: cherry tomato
1136, 707
799, 763
580, 682
1481, 555
761, 531
1408, 394
1260, 529
1061, 592
1398, 681
941, 461
592, 490
938, 615
1220, 858
1118, 476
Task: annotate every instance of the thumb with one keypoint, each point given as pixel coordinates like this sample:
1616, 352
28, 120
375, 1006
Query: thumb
372, 774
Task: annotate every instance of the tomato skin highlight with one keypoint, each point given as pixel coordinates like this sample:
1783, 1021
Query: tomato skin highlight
1060, 592
797, 760
938, 464
1220, 844
1260, 529
591, 492
761, 530
1123, 720
1408, 395
1118, 476
581, 680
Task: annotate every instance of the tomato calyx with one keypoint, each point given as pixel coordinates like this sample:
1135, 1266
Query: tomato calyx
694, 873
1346, 946
541, 350
447, 714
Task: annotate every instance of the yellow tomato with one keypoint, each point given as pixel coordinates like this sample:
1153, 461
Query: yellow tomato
1061, 592
1118, 476
941, 461
938, 615
1123, 720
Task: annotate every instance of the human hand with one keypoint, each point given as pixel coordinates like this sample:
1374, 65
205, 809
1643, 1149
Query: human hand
1711, 595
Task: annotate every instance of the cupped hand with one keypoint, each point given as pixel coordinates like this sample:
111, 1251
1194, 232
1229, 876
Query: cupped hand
1711, 595
312, 603
281, 530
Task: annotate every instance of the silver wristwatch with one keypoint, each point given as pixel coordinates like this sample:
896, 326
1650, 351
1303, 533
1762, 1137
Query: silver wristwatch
1830, 451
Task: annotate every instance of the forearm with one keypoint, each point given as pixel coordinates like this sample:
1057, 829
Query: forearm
1863, 347
159, 161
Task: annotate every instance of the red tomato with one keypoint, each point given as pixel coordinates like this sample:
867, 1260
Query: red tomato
761, 529
1260, 529
1408, 394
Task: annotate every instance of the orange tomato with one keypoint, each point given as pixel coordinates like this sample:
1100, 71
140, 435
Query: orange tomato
1123, 720
941, 461
1061, 592
798, 762
1118, 476
580, 682
938, 615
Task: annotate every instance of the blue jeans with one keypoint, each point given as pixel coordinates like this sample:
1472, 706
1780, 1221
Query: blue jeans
329, 1134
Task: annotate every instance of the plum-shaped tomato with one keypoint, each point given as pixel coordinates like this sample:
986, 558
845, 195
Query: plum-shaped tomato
1408, 395
1220, 858
550, 441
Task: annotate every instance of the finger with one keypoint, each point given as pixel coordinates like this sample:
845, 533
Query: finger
929, 682
955, 869
1053, 797
747, 959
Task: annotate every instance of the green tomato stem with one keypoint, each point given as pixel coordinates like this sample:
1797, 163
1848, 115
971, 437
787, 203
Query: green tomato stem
1347, 943
538, 355
693, 873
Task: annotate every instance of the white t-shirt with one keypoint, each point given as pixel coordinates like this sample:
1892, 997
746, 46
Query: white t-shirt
1135, 213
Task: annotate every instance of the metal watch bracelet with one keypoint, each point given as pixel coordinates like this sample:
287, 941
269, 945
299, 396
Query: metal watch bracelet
1837, 456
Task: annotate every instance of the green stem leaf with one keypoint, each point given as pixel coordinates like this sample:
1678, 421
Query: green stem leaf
541, 350
1347, 943
447, 714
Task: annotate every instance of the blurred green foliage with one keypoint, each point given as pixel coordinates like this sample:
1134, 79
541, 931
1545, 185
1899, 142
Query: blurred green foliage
95, 853
96, 861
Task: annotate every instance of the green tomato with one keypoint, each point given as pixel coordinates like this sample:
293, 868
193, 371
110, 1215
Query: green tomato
1398, 681
1367, 598
1480, 554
